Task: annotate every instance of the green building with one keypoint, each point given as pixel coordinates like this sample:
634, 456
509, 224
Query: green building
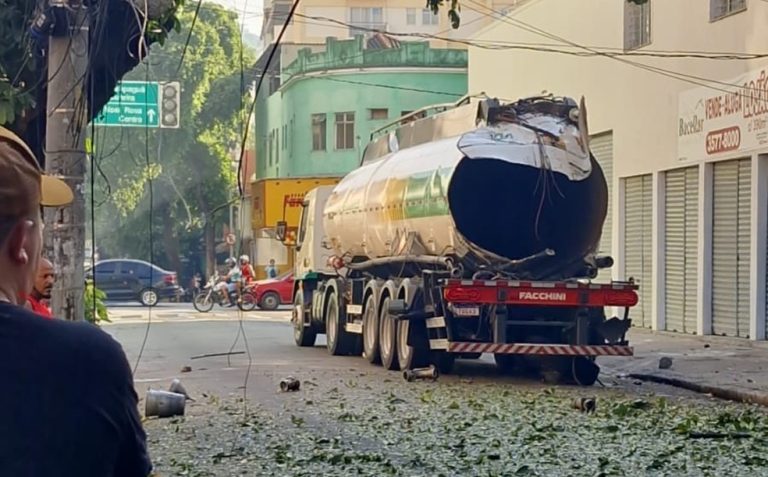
317, 109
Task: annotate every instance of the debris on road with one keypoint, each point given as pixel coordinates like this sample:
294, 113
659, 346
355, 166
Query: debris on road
213, 355
289, 384
584, 404
186, 369
421, 373
178, 388
665, 362
164, 403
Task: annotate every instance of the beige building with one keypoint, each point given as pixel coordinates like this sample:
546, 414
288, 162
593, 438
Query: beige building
677, 105
315, 20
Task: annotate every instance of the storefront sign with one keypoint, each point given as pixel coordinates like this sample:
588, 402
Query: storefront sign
731, 116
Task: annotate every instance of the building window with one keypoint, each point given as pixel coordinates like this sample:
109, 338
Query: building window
364, 19
637, 24
410, 16
277, 145
345, 130
318, 132
285, 136
429, 18
722, 8
379, 113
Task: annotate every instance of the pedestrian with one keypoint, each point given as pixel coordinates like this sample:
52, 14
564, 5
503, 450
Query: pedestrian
271, 269
68, 404
246, 269
41, 291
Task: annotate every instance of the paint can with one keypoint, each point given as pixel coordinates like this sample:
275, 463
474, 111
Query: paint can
290, 384
420, 373
164, 403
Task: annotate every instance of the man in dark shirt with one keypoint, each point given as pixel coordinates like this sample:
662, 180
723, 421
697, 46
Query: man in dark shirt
67, 402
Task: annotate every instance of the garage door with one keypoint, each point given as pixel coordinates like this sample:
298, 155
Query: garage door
601, 146
638, 216
730, 248
680, 250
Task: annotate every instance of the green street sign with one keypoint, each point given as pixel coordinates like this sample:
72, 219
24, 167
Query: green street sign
134, 104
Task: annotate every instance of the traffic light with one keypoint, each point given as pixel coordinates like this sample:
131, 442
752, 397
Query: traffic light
170, 102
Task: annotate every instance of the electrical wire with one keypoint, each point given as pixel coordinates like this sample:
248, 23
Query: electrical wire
693, 79
151, 242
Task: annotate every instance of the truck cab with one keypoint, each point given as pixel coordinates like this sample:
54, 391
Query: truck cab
311, 253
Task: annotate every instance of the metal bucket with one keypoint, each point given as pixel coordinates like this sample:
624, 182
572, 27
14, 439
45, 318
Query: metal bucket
164, 403
420, 373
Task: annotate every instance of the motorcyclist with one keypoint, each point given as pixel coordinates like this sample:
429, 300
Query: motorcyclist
231, 281
247, 269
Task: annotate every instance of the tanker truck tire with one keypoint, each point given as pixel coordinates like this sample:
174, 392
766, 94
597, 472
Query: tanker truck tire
417, 354
304, 336
443, 361
388, 337
371, 331
338, 341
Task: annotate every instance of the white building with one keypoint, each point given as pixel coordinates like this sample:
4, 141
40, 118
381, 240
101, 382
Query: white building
681, 131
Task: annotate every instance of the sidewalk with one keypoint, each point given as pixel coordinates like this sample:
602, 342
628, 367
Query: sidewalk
734, 367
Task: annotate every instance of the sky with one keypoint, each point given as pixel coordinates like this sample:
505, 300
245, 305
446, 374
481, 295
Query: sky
249, 10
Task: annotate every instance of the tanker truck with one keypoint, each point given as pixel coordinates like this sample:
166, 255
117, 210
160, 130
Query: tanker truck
468, 228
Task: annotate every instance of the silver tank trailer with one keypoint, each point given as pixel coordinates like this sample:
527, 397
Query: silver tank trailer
519, 195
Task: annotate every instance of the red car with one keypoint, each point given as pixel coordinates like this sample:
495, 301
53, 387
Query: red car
273, 292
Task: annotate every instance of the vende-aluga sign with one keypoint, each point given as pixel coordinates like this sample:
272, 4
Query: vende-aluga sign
724, 119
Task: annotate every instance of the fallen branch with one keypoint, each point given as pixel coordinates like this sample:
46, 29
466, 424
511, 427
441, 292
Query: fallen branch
719, 435
212, 355
722, 393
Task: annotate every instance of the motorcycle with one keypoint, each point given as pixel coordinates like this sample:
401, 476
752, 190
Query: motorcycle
204, 300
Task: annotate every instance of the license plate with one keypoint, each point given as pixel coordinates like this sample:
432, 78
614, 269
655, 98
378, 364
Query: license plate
466, 310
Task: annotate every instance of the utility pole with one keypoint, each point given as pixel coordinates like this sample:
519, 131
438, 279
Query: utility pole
65, 156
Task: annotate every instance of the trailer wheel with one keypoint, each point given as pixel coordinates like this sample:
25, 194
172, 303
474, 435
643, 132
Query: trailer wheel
388, 337
584, 371
417, 354
303, 335
371, 331
337, 339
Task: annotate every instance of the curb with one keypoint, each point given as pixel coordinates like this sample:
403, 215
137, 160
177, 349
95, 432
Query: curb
749, 397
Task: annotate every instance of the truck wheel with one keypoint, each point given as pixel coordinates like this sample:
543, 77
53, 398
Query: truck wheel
416, 356
443, 361
388, 337
371, 331
336, 337
303, 335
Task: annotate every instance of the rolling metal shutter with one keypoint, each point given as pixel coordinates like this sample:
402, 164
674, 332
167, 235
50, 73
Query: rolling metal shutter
601, 146
681, 252
638, 217
730, 248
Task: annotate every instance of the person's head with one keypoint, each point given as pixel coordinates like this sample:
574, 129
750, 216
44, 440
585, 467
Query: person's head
230, 262
244, 259
271, 262
23, 191
44, 279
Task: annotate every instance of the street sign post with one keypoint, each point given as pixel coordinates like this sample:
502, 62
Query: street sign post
138, 104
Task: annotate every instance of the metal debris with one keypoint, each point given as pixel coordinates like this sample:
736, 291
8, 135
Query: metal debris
421, 373
290, 384
178, 388
665, 362
164, 403
584, 404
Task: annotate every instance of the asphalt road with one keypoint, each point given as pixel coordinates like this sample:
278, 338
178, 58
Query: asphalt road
350, 417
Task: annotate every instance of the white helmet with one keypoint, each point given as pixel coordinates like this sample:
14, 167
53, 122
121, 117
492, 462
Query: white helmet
244, 258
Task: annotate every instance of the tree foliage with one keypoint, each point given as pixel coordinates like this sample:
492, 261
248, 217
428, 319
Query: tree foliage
189, 169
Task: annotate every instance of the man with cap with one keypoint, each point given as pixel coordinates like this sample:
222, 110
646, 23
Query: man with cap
68, 405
